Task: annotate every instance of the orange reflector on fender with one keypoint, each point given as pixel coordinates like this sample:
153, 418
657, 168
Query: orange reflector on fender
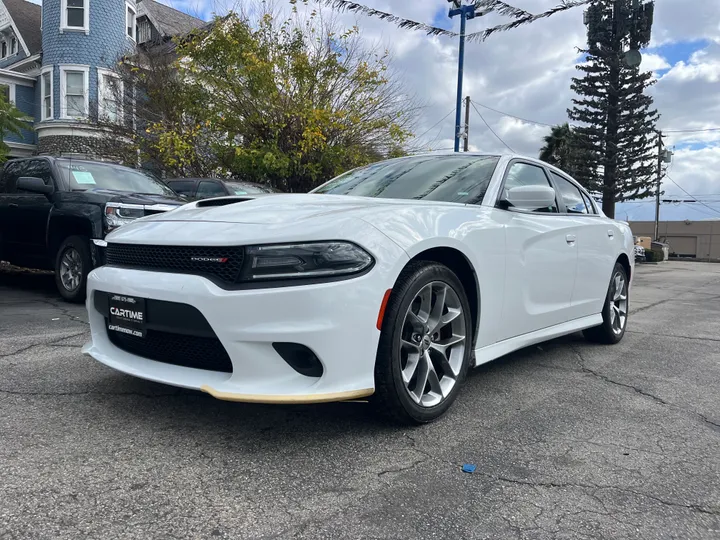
381, 314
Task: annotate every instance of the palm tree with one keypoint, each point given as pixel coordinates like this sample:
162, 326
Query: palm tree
567, 150
12, 120
559, 148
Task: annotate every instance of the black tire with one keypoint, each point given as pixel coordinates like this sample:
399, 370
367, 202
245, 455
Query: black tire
605, 333
81, 246
392, 397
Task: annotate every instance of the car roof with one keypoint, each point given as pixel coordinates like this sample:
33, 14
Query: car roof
507, 155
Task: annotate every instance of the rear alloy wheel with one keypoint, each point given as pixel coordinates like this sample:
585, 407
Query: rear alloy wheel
72, 266
615, 312
425, 344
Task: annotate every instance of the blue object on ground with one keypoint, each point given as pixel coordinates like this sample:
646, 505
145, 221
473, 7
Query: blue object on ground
469, 468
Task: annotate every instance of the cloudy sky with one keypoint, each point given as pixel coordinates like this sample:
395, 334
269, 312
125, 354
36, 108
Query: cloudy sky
526, 73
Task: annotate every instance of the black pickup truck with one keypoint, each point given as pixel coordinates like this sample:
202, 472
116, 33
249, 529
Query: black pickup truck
55, 212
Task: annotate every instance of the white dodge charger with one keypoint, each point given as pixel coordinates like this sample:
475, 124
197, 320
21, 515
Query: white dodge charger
386, 282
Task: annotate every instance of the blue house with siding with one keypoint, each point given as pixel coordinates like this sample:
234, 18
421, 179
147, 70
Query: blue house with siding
56, 65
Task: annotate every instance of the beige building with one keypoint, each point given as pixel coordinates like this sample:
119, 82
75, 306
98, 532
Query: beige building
700, 239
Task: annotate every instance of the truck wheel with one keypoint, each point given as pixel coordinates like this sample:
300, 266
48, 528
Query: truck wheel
72, 266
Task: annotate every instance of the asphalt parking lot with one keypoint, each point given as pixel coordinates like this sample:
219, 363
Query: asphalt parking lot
571, 440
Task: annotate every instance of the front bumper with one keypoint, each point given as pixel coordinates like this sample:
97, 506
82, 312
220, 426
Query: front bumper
337, 321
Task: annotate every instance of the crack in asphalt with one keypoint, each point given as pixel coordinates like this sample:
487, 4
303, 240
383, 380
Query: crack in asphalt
94, 392
672, 336
560, 485
596, 487
644, 308
54, 343
605, 378
65, 312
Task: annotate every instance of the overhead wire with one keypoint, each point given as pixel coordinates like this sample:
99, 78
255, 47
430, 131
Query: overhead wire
491, 129
436, 124
689, 195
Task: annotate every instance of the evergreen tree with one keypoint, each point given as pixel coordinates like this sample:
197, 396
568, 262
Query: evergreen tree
618, 133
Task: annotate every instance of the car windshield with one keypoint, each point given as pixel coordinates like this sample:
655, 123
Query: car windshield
451, 178
83, 176
242, 188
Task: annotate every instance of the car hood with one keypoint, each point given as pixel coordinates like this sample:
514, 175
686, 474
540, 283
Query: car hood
148, 199
284, 209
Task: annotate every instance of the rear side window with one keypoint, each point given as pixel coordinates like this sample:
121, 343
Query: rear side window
588, 203
183, 187
524, 174
571, 195
210, 189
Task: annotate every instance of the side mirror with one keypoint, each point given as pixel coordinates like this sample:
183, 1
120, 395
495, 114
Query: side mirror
34, 185
530, 197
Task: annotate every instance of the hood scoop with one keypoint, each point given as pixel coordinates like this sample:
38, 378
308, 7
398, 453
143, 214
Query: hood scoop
223, 201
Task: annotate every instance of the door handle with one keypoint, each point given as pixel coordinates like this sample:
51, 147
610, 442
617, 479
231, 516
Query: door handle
13, 205
611, 234
570, 239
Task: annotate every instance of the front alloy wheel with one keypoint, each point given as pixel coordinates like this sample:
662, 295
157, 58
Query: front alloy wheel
425, 344
71, 270
73, 263
432, 344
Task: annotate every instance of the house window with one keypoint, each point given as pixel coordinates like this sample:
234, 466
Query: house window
5, 92
13, 46
74, 91
110, 94
75, 15
4, 49
47, 95
130, 21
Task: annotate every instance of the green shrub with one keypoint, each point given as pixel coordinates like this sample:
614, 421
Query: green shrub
653, 256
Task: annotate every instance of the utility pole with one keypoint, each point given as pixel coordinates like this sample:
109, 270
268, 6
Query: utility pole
467, 124
659, 182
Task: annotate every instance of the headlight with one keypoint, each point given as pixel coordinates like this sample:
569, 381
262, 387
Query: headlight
316, 259
117, 214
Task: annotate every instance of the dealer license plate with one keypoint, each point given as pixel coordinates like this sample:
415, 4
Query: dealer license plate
127, 315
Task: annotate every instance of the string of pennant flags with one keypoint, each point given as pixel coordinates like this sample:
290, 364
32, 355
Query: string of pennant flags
521, 17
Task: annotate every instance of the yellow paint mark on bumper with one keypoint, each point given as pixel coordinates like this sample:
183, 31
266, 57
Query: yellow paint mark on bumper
288, 399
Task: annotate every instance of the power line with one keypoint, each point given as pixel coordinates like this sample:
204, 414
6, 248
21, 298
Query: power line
527, 120
491, 129
690, 130
436, 124
688, 194
513, 116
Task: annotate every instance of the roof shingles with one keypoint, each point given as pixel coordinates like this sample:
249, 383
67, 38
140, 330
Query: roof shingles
26, 16
168, 21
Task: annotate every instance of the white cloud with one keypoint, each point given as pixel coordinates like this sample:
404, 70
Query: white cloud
654, 62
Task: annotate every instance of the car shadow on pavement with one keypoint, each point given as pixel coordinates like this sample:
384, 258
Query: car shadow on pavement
27, 280
175, 410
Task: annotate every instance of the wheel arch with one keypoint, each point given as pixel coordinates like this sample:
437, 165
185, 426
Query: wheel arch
63, 227
459, 263
625, 262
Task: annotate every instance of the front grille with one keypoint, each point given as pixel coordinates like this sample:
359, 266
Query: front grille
178, 349
179, 259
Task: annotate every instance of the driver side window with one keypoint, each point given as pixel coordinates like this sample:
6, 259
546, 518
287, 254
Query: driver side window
524, 174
